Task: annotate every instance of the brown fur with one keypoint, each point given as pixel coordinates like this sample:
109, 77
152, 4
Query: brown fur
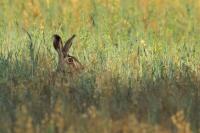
66, 62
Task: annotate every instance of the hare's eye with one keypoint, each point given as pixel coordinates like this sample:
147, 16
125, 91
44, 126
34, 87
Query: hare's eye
69, 60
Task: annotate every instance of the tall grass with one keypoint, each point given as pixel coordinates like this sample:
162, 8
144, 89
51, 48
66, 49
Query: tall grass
141, 61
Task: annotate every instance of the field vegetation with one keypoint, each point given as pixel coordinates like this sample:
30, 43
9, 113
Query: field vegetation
141, 60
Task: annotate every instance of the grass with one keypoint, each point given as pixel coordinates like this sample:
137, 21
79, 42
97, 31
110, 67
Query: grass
141, 61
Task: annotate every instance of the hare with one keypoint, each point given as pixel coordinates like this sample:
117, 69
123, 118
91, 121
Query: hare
66, 62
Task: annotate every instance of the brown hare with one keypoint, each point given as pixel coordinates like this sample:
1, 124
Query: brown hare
66, 62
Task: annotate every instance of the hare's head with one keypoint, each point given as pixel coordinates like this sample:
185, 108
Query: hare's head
66, 62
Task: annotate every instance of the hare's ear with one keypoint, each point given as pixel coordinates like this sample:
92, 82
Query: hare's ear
68, 44
57, 42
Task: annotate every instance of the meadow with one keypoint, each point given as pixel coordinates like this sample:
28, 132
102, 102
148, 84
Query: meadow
141, 60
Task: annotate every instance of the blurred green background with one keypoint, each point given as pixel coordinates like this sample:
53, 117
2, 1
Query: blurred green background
141, 61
